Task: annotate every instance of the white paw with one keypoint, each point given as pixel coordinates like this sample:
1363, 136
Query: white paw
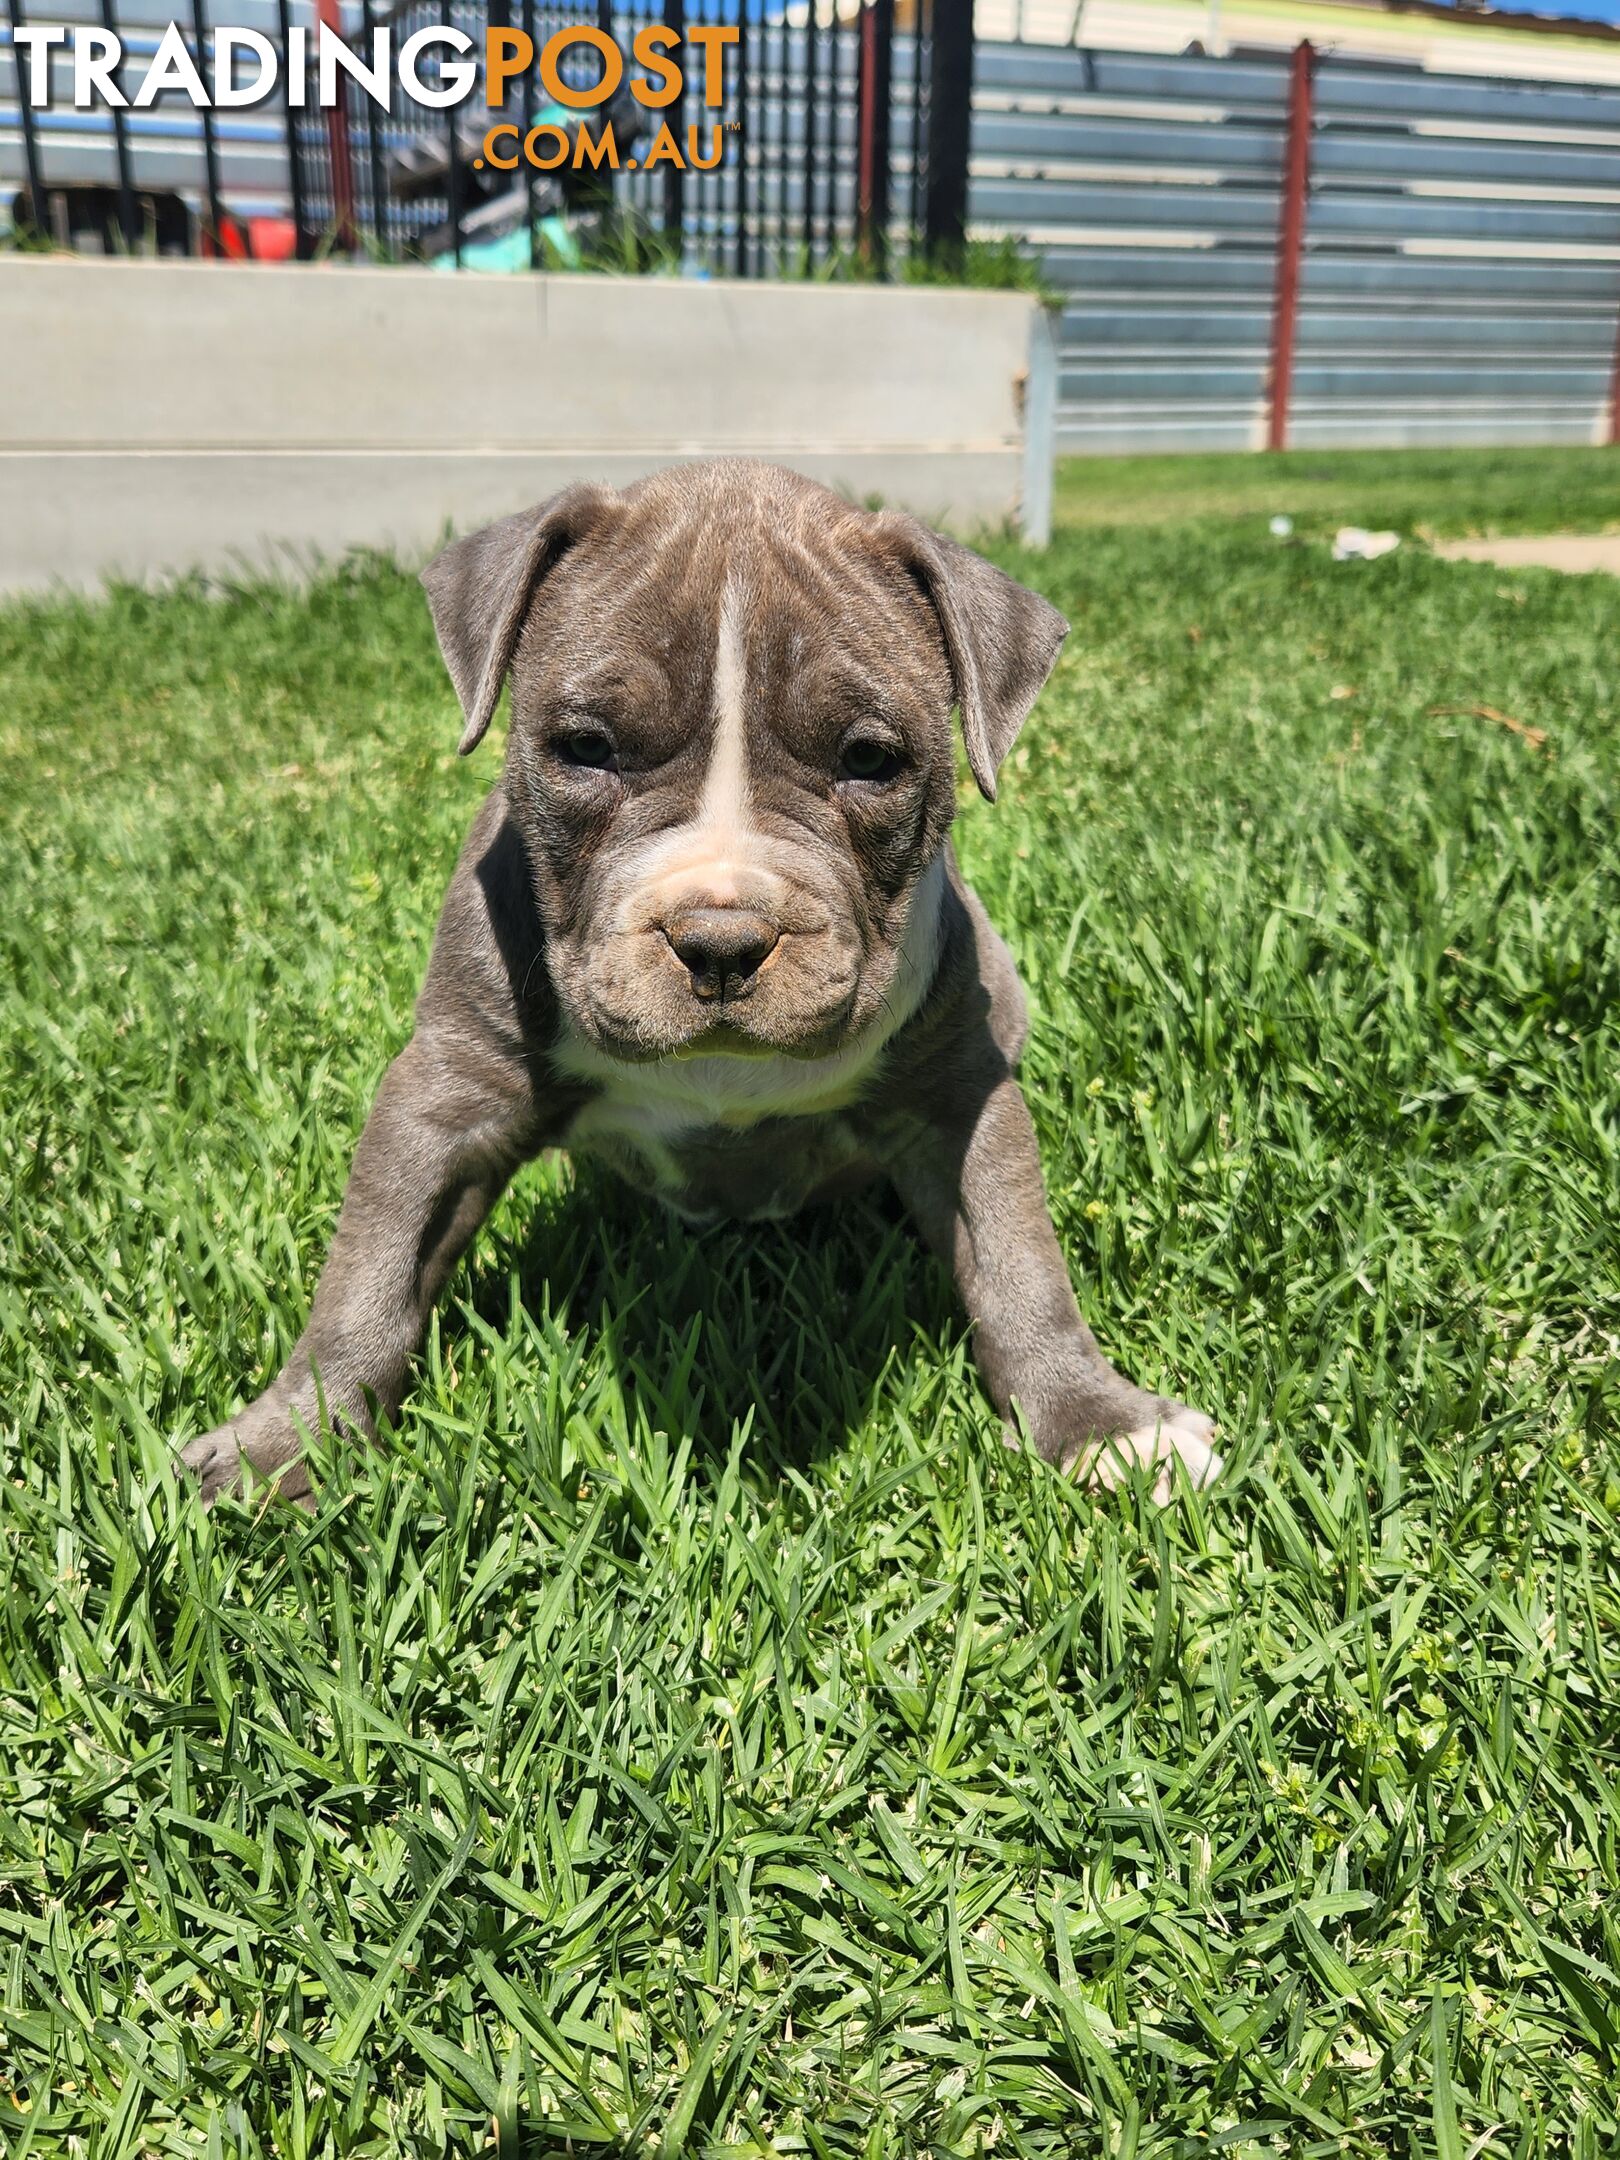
1181, 1435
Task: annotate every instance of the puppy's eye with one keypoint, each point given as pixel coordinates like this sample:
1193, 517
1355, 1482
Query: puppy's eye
868, 757
590, 747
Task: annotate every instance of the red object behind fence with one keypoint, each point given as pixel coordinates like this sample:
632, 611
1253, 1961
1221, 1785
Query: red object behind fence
254, 239
1290, 242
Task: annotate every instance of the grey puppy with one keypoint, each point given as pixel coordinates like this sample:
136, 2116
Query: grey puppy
709, 927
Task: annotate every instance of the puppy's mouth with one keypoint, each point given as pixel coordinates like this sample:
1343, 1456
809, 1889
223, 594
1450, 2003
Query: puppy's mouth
725, 1040
648, 1035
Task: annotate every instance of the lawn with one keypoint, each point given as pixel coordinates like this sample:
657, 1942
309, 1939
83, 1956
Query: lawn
694, 1732
1441, 492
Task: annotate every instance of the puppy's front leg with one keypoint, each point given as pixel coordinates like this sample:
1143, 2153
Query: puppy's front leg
431, 1163
972, 1181
457, 1111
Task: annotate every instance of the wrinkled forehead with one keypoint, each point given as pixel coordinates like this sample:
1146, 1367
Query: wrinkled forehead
685, 591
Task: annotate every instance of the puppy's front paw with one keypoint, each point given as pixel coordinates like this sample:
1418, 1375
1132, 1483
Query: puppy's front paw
1176, 1434
215, 1461
221, 1461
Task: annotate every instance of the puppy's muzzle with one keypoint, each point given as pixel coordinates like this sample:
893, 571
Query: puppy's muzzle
722, 949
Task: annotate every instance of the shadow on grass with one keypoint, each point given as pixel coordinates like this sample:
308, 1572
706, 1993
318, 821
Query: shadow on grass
791, 1327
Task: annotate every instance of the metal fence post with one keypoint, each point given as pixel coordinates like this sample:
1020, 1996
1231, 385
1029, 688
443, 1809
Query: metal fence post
329, 21
1290, 243
863, 123
1613, 437
36, 184
374, 147
199, 25
919, 124
1040, 424
455, 188
295, 162
129, 216
530, 218
950, 125
872, 163
810, 89
675, 174
739, 265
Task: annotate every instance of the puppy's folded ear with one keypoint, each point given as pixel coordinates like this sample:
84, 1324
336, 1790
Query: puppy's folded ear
1000, 638
479, 590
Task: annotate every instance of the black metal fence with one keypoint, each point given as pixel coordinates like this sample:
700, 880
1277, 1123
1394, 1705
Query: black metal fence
840, 139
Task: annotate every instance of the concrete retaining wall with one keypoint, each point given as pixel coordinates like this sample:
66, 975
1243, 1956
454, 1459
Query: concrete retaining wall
166, 416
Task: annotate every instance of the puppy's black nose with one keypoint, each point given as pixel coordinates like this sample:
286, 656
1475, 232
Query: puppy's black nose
722, 948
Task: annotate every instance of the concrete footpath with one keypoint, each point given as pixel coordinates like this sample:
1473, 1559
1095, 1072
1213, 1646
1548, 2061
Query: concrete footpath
1542, 551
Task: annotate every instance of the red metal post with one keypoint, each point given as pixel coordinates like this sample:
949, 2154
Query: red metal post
1290, 243
866, 74
328, 18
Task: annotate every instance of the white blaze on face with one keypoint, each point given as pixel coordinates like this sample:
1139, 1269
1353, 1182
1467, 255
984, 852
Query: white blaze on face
716, 858
723, 810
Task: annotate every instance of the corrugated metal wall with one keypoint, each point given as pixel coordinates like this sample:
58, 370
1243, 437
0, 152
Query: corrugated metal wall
1461, 280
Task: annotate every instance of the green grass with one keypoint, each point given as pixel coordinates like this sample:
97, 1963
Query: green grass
694, 1731
1441, 492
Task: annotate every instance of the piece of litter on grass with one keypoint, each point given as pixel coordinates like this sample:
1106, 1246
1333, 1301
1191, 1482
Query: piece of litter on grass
1535, 738
1282, 527
1353, 543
